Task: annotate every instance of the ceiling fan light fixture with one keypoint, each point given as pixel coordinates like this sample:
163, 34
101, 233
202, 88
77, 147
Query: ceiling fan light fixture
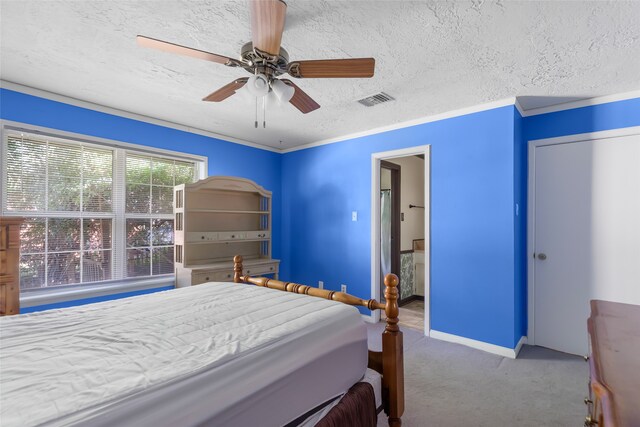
272, 100
283, 91
258, 85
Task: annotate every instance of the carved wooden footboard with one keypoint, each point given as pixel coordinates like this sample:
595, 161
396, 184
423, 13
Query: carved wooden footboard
388, 362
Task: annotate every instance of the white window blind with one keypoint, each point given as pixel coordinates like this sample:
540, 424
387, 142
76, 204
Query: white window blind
93, 213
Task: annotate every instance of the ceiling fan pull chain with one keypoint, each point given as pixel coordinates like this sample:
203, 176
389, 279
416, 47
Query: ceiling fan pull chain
256, 122
264, 112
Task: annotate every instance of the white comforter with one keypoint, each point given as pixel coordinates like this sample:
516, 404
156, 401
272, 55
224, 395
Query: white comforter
108, 363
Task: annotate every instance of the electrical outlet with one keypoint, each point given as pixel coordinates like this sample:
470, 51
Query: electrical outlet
343, 288
320, 284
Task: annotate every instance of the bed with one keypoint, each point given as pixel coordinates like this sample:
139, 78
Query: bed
214, 354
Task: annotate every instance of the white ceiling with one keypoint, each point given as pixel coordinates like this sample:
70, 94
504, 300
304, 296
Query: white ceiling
431, 56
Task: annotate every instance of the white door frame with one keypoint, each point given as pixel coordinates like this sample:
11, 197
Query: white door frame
531, 192
376, 158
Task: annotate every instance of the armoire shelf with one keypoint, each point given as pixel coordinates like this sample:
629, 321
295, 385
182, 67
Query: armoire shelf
215, 219
217, 242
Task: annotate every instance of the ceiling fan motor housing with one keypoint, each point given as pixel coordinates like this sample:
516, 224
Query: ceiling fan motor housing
264, 63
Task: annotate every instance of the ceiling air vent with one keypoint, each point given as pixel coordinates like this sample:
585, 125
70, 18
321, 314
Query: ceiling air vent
376, 99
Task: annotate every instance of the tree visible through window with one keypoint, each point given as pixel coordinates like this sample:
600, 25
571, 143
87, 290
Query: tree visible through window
65, 191
149, 212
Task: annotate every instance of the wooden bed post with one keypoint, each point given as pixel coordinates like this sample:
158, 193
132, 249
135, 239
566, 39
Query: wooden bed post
392, 354
237, 268
388, 362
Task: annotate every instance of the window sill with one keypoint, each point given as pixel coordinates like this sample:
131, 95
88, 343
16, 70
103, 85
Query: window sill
52, 296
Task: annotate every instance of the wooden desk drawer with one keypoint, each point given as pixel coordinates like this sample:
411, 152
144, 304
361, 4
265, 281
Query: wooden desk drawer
259, 270
211, 276
9, 296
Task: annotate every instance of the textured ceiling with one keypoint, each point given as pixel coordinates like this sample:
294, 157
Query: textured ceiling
432, 57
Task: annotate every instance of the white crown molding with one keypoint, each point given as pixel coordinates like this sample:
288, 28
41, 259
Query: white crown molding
427, 119
519, 107
582, 103
511, 353
601, 134
127, 114
408, 123
476, 109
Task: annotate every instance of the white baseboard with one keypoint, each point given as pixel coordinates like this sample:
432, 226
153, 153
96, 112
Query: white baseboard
510, 353
521, 342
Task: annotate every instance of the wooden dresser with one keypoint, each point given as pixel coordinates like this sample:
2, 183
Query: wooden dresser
9, 265
614, 363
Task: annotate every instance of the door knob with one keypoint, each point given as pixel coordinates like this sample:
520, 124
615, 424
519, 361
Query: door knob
542, 257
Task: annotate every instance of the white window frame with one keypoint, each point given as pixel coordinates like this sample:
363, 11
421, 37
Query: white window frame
119, 282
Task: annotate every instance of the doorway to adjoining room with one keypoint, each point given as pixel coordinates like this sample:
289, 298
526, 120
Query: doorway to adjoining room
400, 226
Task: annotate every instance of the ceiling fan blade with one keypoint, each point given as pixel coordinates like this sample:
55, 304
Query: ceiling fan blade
226, 91
333, 68
267, 24
301, 100
183, 50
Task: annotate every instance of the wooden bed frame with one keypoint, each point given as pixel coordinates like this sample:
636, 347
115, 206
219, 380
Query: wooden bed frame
389, 362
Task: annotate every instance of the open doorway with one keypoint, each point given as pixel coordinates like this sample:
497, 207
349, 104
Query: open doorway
390, 215
400, 231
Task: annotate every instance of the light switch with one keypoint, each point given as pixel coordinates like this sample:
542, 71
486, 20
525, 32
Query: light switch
354, 216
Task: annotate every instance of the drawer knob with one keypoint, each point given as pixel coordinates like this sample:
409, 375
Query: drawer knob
271, 268
228, 276
248, 271
589, 421
206, 278
202, 237
233, 236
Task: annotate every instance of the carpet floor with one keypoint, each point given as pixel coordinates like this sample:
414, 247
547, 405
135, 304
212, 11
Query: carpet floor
452, 385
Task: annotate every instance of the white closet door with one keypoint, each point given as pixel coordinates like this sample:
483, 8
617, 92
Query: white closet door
587, 235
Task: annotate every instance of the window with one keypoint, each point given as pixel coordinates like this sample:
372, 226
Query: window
149, 209
93, 212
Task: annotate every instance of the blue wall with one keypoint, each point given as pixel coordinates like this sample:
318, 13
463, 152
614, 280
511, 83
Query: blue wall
472, 221
478, 176
478, 241
520, 222
225, 158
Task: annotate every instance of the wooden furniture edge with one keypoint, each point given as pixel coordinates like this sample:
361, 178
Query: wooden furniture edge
389, 362
9, 264
232, 183
602, 392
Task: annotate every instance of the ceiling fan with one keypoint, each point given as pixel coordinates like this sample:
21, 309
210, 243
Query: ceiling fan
266, 60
